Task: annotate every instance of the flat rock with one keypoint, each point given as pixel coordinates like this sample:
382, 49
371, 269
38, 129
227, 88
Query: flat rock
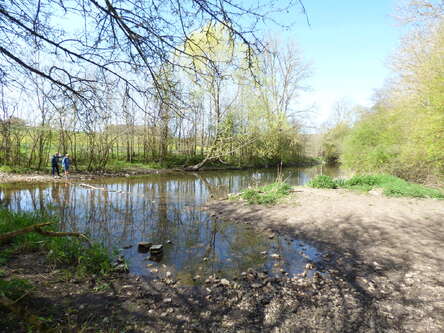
156, 248
144, 246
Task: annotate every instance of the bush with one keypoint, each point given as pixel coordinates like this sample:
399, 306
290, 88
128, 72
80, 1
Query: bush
14, 288
323, 181
268, 194
391, 185
61, 250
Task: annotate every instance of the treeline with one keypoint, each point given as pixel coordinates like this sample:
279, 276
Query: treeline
221, 105
403, 133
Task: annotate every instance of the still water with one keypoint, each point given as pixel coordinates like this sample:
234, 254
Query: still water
167, 209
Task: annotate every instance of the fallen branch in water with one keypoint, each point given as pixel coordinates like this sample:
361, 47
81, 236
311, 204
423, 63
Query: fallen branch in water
93, 187
62, 234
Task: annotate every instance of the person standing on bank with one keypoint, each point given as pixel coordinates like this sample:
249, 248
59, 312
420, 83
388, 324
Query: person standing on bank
55, 164
66, 162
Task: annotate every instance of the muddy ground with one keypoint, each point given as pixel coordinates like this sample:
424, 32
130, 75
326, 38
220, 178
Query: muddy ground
384, 274
390, 251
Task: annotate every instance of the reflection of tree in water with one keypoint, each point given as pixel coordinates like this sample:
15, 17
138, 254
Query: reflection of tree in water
157, 208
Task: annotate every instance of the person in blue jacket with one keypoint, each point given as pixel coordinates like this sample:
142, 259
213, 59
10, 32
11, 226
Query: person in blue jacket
55, 164
66, 162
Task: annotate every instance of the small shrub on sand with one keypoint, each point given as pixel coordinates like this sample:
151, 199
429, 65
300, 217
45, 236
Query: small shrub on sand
268, 194
322, 181
392, 186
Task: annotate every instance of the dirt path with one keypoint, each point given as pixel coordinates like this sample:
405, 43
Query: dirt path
390, 250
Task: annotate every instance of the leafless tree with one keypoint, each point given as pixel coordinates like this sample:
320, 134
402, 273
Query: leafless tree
116, 38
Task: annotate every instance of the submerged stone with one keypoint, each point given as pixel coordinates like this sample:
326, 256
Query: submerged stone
144, 246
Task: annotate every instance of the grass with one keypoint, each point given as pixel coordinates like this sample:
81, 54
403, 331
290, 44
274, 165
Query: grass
73, 256
268, 194
61, 251
323, 181
392, 186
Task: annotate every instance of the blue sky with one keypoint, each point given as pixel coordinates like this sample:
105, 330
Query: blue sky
349, 44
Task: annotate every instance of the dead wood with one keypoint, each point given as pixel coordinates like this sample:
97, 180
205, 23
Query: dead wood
31, 228
38, 228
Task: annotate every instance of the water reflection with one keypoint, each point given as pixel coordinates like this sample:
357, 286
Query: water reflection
164, 209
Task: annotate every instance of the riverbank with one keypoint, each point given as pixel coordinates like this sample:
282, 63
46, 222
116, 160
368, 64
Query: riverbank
388, 251
47, 295
44, 177
48, 178
126, 171
382, 273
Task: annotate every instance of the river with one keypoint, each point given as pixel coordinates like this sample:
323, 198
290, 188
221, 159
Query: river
167, 209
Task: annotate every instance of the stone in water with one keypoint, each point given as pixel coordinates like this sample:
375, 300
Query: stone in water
144, 246
156, 248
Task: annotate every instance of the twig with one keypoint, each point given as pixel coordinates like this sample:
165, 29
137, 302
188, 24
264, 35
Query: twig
62, 234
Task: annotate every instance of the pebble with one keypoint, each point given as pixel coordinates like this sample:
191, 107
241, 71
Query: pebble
309, 266
225, 282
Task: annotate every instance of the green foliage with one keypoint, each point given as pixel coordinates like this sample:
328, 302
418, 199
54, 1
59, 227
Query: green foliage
14, 169
332, 143
72, 252
14, 288
404, 132
5, 168
322, 181
122, 166
62, 251
268, 194
391, 185
373, 143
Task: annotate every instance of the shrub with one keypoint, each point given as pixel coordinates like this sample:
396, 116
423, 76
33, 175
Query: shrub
323, 181
391, 185
61, 250
268, 194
